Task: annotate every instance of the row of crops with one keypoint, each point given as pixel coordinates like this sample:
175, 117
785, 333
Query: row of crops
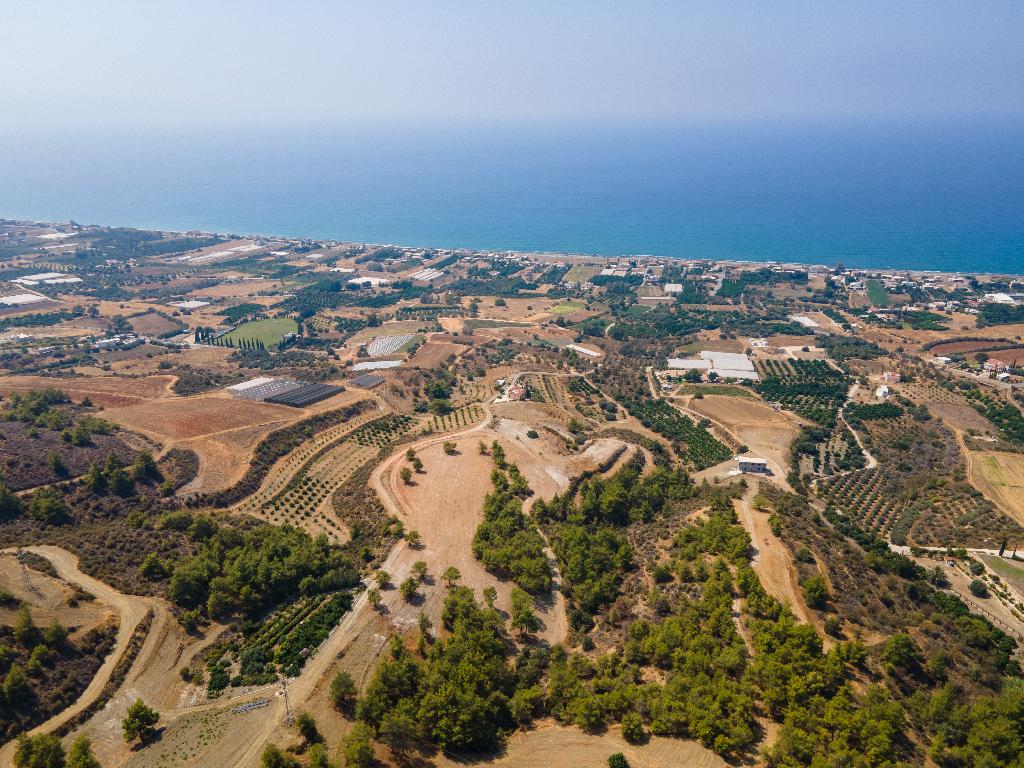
285, 469
461, 417
383, 431
868, 499
699, 447
828, 454
278, 647
809, 388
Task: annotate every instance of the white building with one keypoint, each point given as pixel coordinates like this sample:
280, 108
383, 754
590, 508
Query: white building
752, 464
673, 287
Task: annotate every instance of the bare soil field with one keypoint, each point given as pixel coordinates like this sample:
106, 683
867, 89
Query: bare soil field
152, 324
223, 431
518, 310
247, 287
180, 418
765, 431
434, 353
962, 417
107, 391
1000, 476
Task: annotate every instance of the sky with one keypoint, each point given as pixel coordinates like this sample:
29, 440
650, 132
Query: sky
68, 65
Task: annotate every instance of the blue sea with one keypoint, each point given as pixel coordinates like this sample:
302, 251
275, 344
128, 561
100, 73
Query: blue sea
944, 196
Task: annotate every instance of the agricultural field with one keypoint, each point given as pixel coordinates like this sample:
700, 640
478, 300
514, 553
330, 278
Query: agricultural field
460, 418
877, 294
809, 388
276, 647
580, 273
566, 307
267, 332
918, 494
1000, 476
694, 444
391, 345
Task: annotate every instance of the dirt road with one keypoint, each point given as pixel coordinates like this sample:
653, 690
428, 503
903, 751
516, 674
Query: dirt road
771, 560
130, 609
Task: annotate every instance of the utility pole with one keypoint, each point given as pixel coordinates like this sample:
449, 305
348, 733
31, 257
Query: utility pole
287, 705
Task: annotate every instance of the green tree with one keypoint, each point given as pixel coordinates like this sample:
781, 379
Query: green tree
15, 686
373, 597
318, 757
618, 760
451, 575
25, 630
60, 469
521, 616
152, 568
55, 635
449, 447
94, 479
10, 504
306, 726
48, 505
632, 728
419, 569
343, 691
80, 755
815, 592
408, 589
406, 475
901, 652
139, 722
273, 757
43, 750
357, 747
413, 539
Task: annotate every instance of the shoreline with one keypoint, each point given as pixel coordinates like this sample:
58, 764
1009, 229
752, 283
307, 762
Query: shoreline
546, 255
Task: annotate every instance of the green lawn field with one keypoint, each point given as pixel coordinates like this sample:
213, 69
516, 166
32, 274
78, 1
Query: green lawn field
269, 331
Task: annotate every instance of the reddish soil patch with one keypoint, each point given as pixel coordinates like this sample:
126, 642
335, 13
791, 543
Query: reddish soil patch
152, 324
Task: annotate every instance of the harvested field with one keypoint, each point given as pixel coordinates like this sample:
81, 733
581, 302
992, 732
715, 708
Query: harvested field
223, 431
1000, 476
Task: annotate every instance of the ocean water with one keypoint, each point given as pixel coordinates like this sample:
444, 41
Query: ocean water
947, 197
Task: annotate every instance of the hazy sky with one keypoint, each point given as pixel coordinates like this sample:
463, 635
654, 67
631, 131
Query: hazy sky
75, 64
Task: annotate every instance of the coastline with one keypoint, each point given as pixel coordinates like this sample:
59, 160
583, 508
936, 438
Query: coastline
565, 256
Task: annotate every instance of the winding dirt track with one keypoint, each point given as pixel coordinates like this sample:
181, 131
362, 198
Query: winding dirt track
130, 608
771, 559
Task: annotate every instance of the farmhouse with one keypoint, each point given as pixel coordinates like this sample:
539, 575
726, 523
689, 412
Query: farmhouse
752, 465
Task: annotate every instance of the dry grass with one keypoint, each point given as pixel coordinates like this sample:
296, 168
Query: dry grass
1000, 476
